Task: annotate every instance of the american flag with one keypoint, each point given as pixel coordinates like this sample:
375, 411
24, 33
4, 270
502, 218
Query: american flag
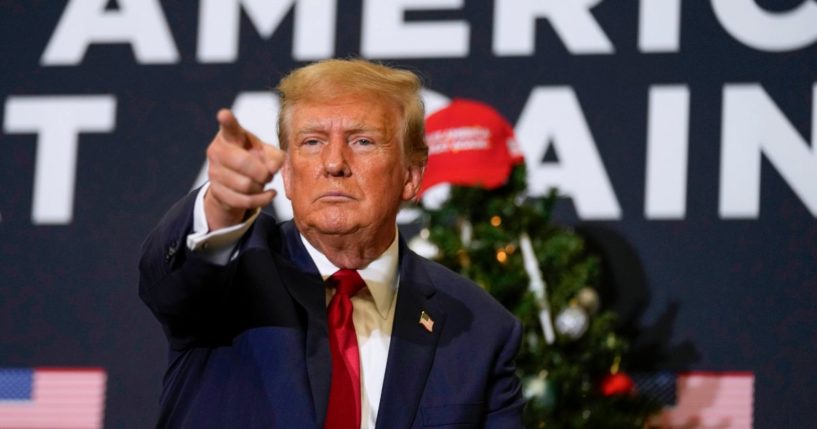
52, 398
426, 321
709, 400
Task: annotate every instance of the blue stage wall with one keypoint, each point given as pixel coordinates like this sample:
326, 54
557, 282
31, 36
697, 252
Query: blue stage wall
682, 135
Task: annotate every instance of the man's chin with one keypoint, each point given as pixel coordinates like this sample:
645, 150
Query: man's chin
335, 230
328, 226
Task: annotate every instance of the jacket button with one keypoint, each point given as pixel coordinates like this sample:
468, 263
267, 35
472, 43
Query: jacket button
171, 250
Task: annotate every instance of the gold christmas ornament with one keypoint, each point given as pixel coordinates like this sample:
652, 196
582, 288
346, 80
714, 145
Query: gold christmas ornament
496, 221
463, 258
588, 299
611, 341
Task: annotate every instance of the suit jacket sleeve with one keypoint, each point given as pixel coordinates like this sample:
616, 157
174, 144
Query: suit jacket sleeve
505, 402
184, 291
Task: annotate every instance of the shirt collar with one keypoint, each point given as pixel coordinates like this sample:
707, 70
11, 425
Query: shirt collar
380, 275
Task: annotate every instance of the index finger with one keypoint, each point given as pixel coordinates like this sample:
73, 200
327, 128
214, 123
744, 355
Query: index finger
229, 127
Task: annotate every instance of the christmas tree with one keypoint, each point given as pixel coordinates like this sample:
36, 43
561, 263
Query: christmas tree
572, 361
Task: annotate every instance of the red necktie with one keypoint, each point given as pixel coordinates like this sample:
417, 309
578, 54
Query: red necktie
344, 393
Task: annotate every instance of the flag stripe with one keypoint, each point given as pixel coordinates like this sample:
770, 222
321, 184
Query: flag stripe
712, 400
60, 398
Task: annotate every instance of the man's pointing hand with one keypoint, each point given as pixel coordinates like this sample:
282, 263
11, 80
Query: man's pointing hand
240, 166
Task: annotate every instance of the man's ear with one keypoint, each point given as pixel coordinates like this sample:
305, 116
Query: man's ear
285, 173
411, 185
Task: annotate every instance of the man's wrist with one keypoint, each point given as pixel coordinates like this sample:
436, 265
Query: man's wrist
218, 216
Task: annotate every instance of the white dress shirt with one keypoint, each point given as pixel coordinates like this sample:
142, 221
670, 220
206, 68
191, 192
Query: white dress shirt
373, 306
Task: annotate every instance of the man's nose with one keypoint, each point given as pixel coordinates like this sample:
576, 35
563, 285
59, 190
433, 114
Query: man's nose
335, 157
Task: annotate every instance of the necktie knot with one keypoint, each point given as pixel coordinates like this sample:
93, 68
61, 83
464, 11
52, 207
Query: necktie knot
347, 282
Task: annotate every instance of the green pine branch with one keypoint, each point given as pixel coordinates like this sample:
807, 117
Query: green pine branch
562, 378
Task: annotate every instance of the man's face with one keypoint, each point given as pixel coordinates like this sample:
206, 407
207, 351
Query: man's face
345, 171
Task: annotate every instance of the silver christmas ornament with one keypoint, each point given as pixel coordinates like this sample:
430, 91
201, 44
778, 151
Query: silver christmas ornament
421, 245
572, 322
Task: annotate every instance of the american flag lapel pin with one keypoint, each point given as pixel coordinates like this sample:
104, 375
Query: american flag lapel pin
426, 321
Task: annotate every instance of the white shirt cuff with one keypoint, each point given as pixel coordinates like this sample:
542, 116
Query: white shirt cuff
216, 247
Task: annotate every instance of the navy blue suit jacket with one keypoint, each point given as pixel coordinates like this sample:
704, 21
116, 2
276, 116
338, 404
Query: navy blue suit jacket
249, 346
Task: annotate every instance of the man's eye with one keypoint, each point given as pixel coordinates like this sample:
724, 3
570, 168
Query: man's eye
363, 142
311, 142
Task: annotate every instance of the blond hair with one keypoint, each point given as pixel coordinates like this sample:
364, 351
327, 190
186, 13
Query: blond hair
329, 79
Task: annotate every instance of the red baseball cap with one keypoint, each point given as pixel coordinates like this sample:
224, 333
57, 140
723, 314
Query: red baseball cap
470, 144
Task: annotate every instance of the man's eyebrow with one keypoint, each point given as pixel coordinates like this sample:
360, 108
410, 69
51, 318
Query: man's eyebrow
317, 128
311, 129
361, 128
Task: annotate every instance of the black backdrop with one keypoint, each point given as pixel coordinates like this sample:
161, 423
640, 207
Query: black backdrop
706, 289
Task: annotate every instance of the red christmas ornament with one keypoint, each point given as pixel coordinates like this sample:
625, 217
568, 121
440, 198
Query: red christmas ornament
617, 384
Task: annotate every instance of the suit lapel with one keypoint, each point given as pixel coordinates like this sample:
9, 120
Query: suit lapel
307, 288
412, 347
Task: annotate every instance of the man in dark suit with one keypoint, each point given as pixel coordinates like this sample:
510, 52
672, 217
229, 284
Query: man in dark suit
328, 320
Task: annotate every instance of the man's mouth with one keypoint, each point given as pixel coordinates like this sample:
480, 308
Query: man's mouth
335, 197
